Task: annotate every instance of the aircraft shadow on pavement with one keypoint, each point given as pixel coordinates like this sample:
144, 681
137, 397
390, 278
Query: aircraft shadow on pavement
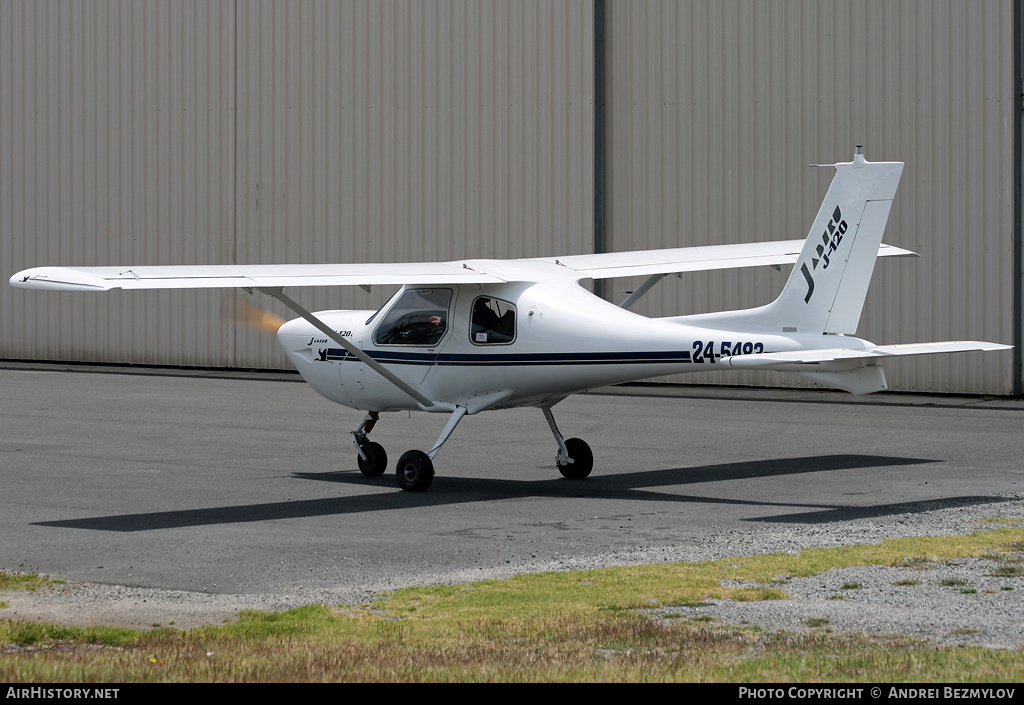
454, 490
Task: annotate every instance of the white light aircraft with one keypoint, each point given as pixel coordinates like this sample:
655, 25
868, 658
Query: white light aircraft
467, 336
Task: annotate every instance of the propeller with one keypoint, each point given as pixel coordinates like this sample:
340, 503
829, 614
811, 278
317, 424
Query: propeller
241, 312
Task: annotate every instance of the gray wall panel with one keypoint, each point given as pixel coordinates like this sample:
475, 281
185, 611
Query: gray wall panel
717, 108
274, 131
376, 132
360, 131
116, 130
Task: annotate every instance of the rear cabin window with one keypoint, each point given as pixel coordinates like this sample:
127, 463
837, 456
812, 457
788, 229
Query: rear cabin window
419, 317
493, 322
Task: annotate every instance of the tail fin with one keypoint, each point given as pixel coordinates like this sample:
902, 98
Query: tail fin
826, 290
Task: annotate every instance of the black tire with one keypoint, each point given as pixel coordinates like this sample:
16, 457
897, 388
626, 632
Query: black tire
582, 457
376, 462
415, 471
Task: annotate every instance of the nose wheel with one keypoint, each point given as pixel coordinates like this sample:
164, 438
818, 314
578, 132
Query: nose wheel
376, 461
372, 458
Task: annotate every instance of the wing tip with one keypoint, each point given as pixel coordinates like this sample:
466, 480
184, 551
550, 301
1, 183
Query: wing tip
56, 279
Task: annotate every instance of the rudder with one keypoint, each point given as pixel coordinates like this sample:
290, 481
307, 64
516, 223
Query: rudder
825, 292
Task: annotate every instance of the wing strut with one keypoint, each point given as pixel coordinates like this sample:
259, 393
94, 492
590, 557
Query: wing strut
641, 290
352, 349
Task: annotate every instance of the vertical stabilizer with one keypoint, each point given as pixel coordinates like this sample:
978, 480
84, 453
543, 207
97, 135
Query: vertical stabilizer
826, 290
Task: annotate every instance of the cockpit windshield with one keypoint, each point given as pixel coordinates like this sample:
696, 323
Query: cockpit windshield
418, 317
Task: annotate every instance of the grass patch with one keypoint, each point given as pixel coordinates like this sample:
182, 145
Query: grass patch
953, 582
1007, 557
10, 581
700, 603
916, 563
965, 631
571, 627
817, 621
851, 586
1007, 571
37, 633
907, 582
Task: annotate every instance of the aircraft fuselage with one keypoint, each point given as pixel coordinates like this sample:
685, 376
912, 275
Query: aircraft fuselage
563, 340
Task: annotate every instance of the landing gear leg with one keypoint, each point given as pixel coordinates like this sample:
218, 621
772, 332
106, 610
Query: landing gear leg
575, 460
416, 468
372, 459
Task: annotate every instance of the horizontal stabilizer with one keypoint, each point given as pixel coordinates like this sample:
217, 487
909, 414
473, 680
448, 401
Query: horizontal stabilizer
795, 359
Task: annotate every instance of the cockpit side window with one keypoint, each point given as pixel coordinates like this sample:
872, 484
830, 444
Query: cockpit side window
493, 322
418, 317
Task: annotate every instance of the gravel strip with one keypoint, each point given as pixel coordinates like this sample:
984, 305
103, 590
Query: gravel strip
951, 604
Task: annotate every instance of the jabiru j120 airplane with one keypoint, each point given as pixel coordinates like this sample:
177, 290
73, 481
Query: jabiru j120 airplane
468, 336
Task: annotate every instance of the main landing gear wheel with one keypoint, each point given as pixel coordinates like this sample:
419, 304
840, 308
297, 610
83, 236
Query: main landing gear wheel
376, 462
582, 460
415, 471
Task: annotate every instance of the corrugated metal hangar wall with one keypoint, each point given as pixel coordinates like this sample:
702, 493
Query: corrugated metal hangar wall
232, 132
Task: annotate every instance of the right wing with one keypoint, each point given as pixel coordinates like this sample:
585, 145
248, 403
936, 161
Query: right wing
609, 265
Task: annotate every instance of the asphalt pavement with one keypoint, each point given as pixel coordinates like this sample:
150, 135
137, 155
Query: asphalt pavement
247, 483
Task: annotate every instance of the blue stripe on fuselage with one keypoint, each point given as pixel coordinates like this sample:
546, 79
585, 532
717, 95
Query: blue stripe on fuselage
511, 359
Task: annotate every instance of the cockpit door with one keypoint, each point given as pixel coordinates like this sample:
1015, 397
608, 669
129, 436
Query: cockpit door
413, 330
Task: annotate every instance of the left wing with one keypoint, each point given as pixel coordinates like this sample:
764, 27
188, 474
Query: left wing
256, 276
